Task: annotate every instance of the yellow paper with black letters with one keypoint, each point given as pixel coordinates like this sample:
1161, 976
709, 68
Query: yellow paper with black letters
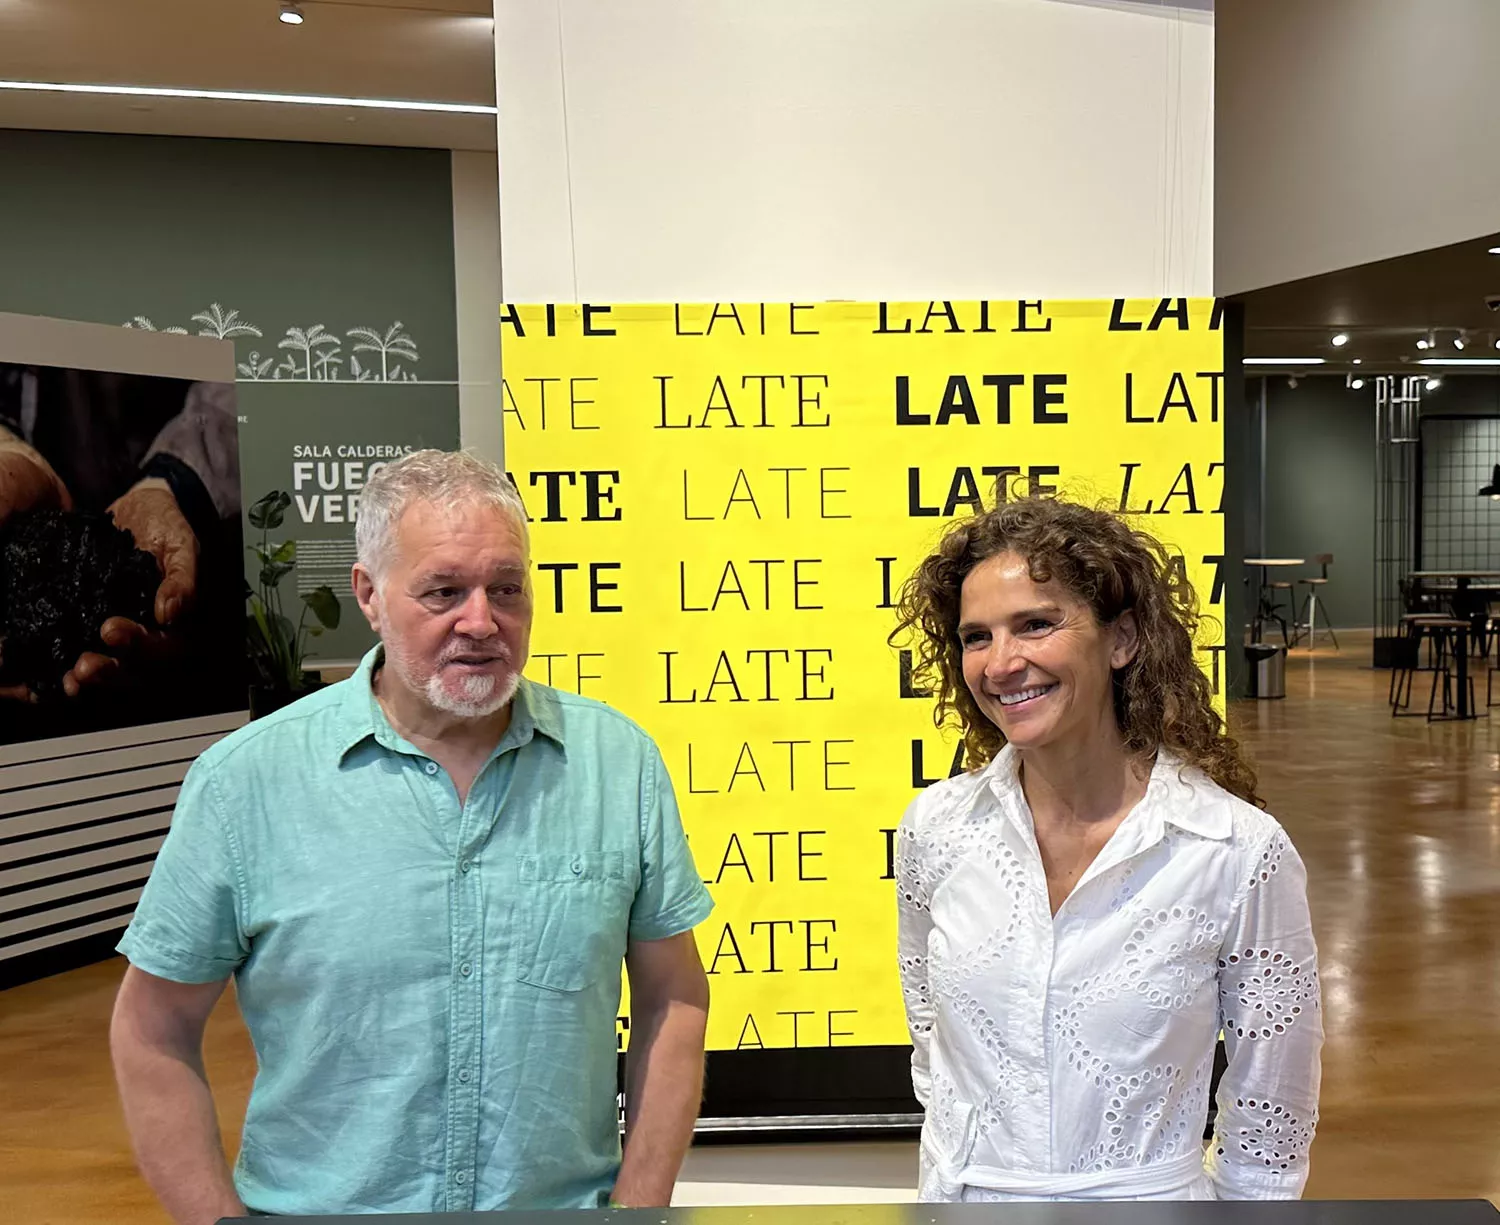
725, 499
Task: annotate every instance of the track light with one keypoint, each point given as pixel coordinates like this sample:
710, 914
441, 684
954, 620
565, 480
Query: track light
1340, 340
290, 13
1292, 382
1424, 343
1356, 384
240, 95
1434, 383
1459, 342
1357, 360
1492, 490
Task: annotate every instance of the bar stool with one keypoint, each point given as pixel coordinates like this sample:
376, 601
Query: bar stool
1269, 608
1416, 629
1312, 605
1450, 635
1487, 626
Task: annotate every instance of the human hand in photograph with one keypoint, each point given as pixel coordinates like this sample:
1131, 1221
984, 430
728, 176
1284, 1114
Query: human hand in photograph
27, 482
149, 512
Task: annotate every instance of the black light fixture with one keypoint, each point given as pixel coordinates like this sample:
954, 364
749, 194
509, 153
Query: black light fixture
1492, 490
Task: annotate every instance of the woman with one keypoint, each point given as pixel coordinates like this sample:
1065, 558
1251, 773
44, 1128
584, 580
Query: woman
1083, 911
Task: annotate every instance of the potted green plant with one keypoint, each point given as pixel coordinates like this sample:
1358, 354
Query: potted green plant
276, 646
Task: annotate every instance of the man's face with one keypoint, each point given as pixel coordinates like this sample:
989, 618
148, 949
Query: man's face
454, 608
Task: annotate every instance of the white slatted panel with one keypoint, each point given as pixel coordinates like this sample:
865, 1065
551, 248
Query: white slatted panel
81, 820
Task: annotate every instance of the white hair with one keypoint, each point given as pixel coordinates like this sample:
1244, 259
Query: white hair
446, 480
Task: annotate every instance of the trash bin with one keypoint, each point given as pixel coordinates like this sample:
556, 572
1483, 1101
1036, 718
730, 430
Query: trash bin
1267, 670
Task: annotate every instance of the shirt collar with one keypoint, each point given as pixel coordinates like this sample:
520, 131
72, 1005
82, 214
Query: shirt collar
1178, 796
534, 709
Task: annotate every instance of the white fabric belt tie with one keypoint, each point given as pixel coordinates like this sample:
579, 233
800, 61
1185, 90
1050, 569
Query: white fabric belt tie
1124, 1182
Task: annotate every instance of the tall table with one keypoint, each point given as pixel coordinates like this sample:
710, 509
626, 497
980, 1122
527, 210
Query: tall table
1263, 608
1462, 581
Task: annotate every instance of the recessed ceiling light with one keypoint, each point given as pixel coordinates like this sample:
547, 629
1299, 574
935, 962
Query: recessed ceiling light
1340, 340
235, 95
290, 14
1357, 360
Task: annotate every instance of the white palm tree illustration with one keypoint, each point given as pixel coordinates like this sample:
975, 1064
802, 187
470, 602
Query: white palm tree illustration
304, 342
141, 324
326, 361
395, 343
224, 325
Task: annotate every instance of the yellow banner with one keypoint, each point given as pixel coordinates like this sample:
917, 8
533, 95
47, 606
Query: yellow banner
725, 499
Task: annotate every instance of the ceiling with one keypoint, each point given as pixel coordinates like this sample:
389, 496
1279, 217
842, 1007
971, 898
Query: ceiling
1385, 308
414, 50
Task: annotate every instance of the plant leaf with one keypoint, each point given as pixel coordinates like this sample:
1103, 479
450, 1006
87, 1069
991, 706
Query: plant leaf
286, 551
268, 511
271, 575
325, 606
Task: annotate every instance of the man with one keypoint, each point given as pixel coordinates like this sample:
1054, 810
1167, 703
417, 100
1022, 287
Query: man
423, 880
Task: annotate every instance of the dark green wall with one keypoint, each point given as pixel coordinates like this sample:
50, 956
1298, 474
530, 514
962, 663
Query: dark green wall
1320, 486
107, 228
1320, 475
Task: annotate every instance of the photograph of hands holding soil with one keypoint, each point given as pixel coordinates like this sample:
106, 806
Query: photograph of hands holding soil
121, 574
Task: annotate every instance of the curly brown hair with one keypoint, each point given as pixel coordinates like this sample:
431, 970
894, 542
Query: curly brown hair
1162, 698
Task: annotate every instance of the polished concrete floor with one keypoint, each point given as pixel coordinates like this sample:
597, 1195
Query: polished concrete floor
1398, 821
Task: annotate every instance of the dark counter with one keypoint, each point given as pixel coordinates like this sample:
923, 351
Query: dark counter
1158, 1212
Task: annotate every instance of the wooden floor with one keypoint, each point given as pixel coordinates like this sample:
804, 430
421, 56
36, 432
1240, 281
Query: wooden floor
1398, 820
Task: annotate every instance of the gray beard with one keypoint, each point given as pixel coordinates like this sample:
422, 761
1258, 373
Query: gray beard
478, 696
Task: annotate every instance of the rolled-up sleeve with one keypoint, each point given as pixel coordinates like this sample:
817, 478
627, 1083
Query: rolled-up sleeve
1271, 1011
204, 437
187, 925
671, 897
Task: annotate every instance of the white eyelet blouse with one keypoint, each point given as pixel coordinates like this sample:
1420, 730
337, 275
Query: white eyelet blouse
1069, 1057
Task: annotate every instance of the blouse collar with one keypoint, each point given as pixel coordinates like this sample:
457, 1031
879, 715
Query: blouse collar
1176, 795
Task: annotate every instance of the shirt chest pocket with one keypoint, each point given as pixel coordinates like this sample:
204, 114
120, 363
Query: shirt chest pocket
572, 914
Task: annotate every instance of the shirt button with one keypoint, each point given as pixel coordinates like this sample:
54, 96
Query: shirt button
464, 866
463, 1075
460, 1178
465, 969
432, 767
577, 867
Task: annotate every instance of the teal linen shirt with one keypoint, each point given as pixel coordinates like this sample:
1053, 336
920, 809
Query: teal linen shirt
431, 988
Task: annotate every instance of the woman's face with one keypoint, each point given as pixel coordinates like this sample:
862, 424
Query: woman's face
1037, 662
